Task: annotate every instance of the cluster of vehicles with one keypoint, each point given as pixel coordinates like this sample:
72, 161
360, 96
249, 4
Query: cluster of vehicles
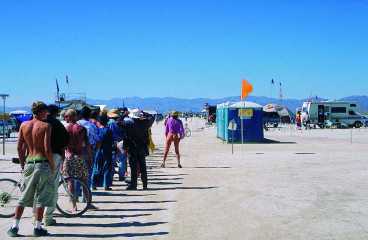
11, 122
322, 114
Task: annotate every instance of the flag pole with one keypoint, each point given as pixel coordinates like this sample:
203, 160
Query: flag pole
241, 123
57, 92
246, 89
67, 82
241, 116
272, 87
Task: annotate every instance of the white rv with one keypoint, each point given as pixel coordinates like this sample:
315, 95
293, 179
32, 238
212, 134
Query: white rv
335, 112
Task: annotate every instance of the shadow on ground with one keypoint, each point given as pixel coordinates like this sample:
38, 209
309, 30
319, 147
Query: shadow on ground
103, 225
181, 188
134, 202
128, 235
121, 216
271, 141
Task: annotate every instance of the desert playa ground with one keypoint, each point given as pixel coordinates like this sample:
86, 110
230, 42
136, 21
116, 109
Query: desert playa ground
302, 185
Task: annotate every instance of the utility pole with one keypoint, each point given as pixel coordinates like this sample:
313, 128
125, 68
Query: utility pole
4, 96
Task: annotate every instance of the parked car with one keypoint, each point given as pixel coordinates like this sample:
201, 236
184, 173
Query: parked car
12, 123
271, 119
5, 130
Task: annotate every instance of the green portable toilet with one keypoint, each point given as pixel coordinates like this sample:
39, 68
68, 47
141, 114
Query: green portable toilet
222, 119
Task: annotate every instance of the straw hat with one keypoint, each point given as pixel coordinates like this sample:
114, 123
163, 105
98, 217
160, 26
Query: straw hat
113, 113
175, 113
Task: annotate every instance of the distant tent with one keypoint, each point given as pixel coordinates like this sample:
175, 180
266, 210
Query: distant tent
286, 116
152, 112
79, 105
103, 108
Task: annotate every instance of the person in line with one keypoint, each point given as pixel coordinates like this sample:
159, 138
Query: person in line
103, 171
298, 120
93, 142
59, 140
136, 145
117, 134
39, 172
151, 144
123, 156
75, 165
94, 118
62, 115
174, 132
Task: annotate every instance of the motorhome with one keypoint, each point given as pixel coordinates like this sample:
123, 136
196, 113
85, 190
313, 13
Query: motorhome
334, 112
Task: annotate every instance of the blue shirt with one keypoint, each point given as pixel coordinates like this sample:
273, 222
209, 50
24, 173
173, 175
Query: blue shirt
92, 131
117, 134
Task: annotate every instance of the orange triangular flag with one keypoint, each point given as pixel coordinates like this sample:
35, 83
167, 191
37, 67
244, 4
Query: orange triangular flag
246, 89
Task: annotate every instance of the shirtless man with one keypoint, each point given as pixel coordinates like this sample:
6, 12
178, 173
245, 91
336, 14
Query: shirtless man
35, 155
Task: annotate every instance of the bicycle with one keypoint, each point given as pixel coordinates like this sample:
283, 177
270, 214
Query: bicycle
10, 192
187, 131
74, 197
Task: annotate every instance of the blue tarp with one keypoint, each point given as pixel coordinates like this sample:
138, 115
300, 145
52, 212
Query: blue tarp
23, 117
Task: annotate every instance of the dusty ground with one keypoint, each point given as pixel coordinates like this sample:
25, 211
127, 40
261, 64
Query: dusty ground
307, 185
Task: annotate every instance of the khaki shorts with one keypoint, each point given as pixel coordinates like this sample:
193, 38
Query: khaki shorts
38, 188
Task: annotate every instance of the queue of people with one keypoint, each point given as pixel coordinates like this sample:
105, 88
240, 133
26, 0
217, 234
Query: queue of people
85, 144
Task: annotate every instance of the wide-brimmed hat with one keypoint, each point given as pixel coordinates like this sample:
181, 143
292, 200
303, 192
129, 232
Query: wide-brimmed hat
113, 113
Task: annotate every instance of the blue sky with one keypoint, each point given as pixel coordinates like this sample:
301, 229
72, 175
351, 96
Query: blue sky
183, 49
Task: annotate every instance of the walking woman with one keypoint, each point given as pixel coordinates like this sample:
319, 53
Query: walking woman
174, 132
103, 170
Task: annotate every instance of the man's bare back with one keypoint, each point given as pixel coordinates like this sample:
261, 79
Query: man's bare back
34, 141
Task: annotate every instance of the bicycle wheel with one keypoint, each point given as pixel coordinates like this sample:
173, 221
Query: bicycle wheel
9, 196
188, 133
74, 197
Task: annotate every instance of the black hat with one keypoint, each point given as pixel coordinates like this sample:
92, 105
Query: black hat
53, 109
85, 112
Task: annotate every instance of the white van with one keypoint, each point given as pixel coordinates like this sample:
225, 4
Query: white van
336, 112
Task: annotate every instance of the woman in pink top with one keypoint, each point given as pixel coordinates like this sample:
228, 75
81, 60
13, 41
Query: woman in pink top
174, 132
